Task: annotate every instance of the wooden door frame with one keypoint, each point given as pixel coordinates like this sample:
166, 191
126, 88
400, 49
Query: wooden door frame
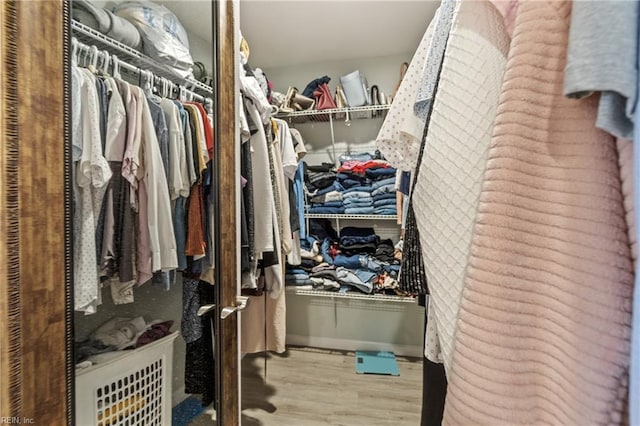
226, 161
36, 365
36, 289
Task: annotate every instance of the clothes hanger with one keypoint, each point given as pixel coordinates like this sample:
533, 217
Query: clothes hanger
105, 64
74, 52
169, 89
115, 70
94, 59
82, 56
148, 82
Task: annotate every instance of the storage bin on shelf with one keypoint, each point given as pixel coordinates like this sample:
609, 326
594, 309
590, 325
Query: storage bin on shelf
133, 389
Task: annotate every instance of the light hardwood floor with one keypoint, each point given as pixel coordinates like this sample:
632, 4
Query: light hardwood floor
313, 387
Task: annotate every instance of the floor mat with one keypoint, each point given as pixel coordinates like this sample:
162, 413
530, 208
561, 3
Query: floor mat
183, 413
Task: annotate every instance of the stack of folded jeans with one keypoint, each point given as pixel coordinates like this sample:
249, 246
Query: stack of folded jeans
384, 195
354, 240
350, 180
358, 200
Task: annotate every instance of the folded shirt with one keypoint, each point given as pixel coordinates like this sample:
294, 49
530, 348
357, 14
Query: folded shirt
324, 167
360, 167
319, 180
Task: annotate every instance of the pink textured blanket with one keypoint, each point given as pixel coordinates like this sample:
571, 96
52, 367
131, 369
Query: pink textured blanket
544, 321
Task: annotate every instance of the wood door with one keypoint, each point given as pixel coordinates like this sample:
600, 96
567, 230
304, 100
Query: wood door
35, 240
226, 157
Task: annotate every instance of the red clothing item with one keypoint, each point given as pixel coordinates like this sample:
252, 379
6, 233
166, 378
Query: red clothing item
360, 167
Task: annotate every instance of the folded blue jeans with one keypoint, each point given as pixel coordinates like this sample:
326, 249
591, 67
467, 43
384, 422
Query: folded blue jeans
357, 203
357, 194
351, 262
327, 210
381, 172
384, 182
346, 242
360, 279
359, 210
361, 188
350, 183
327, 204
386, 210
384, 196
383, 189
384, 202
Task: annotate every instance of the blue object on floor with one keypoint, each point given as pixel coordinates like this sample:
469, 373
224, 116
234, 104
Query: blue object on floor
368, 362
185, 412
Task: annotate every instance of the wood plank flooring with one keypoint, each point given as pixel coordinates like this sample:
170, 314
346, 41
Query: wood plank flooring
314, 387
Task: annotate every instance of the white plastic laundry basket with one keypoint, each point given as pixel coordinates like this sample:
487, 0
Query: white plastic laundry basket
131, 390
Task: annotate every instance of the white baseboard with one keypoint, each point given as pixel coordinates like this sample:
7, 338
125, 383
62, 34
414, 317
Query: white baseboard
353, 345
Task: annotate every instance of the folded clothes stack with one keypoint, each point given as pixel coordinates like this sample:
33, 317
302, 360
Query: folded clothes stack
326, 191
384, 195
355, 260
364, 184
377, 179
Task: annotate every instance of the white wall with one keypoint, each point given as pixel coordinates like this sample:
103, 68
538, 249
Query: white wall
352, 324
201, 51
381, 71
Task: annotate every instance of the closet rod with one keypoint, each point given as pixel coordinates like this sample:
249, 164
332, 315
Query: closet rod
136, 70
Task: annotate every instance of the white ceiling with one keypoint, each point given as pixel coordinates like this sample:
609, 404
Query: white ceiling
283, 33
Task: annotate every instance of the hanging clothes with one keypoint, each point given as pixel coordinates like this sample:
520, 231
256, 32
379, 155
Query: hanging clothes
91, 177
541, 335
449, 179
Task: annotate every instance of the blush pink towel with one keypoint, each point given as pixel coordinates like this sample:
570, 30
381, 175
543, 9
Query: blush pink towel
544, 321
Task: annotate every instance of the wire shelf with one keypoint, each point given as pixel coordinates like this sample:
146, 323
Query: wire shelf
350, 216
352, 295
335, 114
90, 36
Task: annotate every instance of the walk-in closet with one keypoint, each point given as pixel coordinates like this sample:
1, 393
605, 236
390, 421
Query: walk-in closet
308, 213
